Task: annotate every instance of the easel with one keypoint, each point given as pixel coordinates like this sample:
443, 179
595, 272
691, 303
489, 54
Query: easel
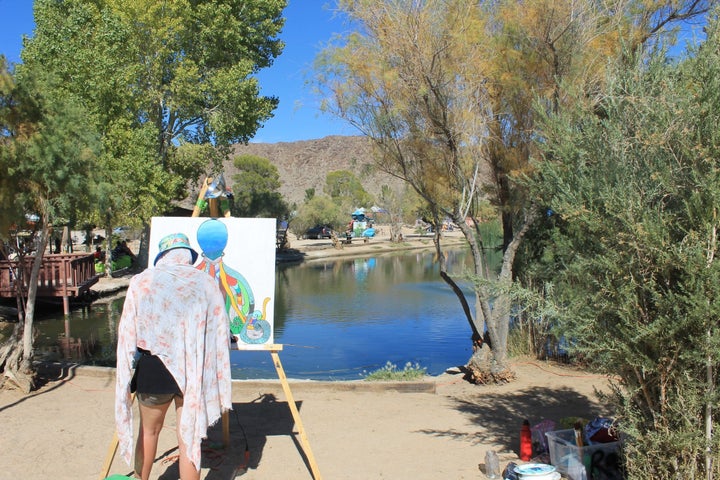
304, 443
215, 207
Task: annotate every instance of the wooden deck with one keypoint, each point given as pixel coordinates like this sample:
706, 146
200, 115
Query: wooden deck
63, 275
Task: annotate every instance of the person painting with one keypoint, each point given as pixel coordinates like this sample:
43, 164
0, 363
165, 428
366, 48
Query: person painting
175, 323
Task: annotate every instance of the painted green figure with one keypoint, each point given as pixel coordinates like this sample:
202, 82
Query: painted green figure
246, 322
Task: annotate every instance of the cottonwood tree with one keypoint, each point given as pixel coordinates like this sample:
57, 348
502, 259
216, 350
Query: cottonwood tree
49, 153
156, 77
448, 91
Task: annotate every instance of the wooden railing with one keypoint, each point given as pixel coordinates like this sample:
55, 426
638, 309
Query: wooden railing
61, 275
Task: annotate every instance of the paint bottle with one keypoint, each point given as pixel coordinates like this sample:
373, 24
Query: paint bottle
525, 441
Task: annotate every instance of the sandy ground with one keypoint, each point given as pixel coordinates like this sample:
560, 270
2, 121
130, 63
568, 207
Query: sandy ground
439, 428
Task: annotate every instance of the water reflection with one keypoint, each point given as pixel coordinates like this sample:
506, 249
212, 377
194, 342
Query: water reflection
336, 319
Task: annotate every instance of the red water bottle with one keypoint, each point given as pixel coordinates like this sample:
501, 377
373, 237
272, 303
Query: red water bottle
525, 442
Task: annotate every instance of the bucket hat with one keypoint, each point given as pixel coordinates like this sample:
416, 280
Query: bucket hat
174, 240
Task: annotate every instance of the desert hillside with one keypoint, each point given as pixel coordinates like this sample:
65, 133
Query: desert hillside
305, 164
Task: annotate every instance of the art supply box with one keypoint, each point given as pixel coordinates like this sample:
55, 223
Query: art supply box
600, 461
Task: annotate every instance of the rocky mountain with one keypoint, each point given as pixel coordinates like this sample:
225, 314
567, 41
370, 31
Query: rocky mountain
305, 164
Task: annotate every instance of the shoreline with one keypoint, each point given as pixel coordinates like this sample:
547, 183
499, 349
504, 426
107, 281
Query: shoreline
307, 251
427, 384
48, 370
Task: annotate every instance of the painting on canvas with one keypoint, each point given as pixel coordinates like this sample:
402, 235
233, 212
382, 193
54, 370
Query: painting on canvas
240, 254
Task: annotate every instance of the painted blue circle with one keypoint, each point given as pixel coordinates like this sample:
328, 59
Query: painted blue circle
212, 236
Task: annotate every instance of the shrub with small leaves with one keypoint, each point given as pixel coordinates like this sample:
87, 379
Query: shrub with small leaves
390, 372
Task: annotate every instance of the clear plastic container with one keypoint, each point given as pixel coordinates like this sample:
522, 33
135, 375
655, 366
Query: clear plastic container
492, 464
600, 460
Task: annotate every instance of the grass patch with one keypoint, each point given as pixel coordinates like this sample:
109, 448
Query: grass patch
390, 372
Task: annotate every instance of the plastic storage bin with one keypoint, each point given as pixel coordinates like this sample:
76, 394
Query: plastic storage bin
600, 461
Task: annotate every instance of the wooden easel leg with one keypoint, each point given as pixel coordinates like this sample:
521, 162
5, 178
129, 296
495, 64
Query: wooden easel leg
296, 415
110, 456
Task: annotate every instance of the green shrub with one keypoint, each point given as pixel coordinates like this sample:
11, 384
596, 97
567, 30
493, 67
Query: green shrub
390, 373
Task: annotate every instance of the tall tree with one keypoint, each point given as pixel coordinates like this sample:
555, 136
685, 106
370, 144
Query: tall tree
447, 90
49, 152
256, 189
9, 123
414, 78
155, 77
318, 210
344, 186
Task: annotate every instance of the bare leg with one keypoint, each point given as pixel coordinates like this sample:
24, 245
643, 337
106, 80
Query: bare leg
151, 423
188, 470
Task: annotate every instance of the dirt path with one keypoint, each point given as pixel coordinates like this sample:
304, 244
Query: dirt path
440, 428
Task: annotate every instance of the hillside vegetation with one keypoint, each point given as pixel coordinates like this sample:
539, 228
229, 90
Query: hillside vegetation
305, 164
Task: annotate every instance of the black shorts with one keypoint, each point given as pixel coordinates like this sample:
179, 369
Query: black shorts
152, 377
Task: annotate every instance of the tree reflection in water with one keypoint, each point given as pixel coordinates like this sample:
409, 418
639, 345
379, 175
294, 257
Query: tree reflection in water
337, 320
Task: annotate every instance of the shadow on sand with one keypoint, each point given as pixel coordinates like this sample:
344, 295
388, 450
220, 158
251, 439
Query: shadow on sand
500, 416
250, 425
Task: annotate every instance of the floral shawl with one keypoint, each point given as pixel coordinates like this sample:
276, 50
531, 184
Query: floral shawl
176, 312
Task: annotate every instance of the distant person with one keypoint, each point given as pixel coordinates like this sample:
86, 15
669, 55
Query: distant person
116, 252
121, 248
174, 322
99, 255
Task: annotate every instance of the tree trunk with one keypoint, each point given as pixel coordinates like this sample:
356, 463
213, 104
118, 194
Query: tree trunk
144, 251
67, 244
482, 368
16, 355
10, 359
28, 351
489, 362
108, 248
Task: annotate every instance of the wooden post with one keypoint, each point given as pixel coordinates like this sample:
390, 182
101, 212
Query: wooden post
214, 207
109, 457
226, 429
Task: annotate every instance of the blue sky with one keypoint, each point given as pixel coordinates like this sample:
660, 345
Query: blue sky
309, 24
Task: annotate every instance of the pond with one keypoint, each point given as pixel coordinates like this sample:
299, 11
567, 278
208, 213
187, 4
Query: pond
336, 319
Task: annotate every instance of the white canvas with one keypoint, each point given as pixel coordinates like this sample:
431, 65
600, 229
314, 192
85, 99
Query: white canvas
240, 254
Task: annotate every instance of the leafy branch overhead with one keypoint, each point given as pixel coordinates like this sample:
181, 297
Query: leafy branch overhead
155, 77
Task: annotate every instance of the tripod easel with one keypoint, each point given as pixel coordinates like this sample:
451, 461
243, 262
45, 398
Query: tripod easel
304, 443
